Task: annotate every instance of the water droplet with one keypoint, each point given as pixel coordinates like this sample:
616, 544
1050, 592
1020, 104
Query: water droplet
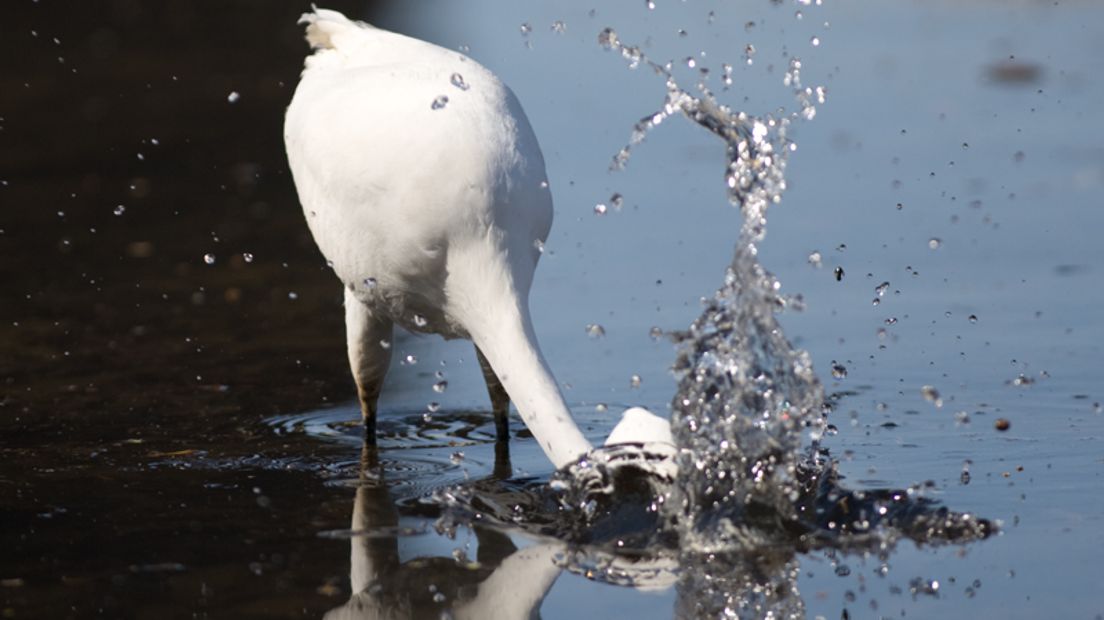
616, 201
433, 407
634, 381
601, 407
119, 210
209, 259
608, 39
934, 243
839, 274
440, 386
440, 102
544, 184
815, 259
595, 330
526, 28
385, 344
931, 395
427, 418
559, 27
600, 209
655, 333
539, 245
973, 318
411, 359
891, 320
247, 257
292, 295
881, 289
815, 41
650, 4
370, 283
839, 371
420, 320
457, 80
233, 97
455, 457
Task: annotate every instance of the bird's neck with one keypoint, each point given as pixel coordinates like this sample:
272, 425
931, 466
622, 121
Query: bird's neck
503, 331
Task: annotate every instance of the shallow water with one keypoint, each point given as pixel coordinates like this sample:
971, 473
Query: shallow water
169, 438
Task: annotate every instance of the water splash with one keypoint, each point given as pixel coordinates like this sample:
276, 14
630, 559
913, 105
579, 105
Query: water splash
748, 486
745, 396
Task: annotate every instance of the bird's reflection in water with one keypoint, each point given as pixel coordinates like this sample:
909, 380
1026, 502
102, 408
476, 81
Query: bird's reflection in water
606, 531
502, 582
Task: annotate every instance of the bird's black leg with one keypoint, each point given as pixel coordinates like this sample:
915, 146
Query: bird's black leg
500, 400
368, 358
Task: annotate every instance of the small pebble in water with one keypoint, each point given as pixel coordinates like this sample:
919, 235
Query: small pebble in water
1002, 424
440, 102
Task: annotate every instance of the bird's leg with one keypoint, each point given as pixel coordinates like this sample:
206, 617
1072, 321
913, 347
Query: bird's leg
368, 337
500, 400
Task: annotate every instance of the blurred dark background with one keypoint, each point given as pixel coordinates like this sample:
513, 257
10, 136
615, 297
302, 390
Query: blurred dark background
136, 138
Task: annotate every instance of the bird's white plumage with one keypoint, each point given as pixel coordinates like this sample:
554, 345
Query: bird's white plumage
430, 214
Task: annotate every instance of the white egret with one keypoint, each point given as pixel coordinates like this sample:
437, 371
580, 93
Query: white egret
423, 184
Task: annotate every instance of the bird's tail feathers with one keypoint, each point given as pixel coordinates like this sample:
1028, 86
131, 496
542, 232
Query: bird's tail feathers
327, 29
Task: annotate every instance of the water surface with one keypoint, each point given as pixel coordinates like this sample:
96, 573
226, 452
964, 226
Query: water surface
175, 434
